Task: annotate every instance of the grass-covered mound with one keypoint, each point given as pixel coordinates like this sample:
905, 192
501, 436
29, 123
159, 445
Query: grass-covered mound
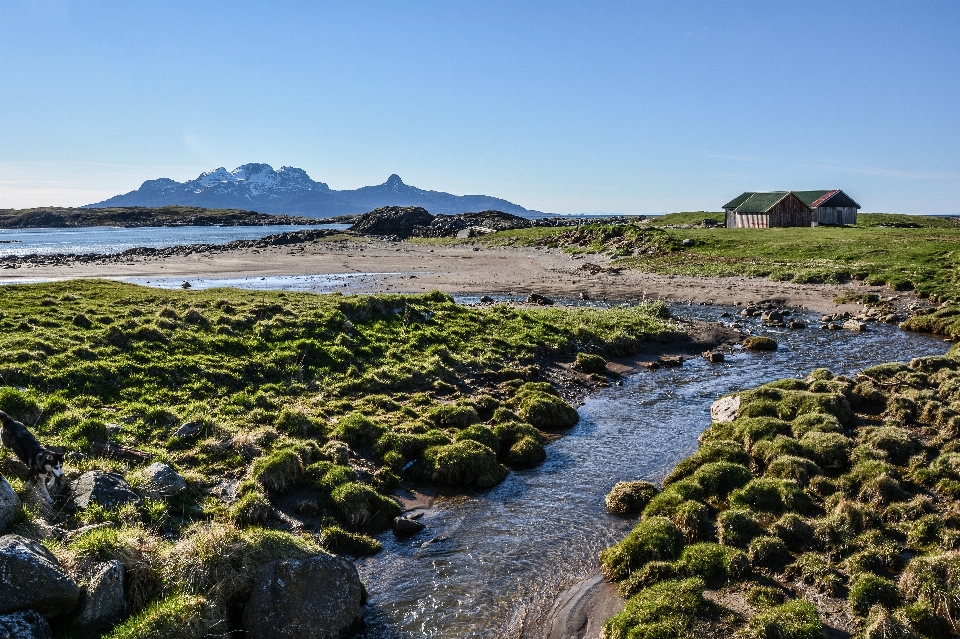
832, 492
287, 414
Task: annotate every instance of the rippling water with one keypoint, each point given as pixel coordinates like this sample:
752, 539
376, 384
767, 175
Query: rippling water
504, 555
108, 239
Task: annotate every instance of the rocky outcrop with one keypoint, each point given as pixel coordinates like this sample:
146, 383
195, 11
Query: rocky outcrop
31, 578
398, 221
315, 598
107, 489
9, 503
162, 481
102, 603
24, 625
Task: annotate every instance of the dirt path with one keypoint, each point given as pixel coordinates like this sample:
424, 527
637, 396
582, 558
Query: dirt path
404, 267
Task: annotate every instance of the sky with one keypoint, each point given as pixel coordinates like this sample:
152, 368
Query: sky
568, 107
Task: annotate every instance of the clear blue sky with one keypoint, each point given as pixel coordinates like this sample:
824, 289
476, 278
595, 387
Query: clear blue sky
633, 107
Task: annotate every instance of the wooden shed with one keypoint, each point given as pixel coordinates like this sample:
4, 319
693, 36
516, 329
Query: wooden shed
768, 210
830, 207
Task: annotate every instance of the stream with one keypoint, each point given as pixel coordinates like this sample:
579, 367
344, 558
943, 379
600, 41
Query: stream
491, 563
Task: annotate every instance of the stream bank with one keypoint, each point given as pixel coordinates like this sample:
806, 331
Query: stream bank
495, 563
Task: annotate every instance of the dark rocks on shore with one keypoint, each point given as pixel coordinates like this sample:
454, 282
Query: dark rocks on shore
315, 598
539, 300
66, 259
714, 357
31, 578
406, 526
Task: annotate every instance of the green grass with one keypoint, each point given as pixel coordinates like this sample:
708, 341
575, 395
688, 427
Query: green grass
858, 506
330, 395
924, 259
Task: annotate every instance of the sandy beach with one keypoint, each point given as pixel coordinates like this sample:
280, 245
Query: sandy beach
406, 267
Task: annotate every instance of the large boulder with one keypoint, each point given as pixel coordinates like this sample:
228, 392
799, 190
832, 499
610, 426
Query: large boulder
107, 489
315, 598
102, 603
392, 220
31, 578
24, 625
162, 481
9, 503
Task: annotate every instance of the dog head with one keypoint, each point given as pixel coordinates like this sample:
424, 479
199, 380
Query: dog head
50, 462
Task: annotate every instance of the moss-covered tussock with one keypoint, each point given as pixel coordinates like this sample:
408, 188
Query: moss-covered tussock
282, 411
849, 487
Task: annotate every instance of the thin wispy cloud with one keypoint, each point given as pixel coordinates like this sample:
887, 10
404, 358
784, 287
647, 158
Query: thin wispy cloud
892, 173
725, 156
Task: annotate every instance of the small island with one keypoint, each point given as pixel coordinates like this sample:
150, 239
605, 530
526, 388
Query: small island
141, 216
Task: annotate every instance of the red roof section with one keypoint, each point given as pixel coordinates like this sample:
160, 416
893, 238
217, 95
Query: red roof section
826, 197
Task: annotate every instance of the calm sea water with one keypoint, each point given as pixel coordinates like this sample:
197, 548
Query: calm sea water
504, 555
108, 239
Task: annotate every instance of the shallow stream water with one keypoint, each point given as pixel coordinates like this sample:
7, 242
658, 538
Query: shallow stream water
496, 560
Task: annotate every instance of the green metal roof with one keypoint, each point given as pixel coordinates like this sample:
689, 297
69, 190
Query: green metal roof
761, 202
737, 201
834, 197
809, 197
813, 199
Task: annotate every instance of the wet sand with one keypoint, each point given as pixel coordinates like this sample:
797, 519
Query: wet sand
405, 267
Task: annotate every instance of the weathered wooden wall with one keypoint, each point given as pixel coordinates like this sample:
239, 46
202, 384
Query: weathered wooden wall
837, 215
753, 220
791, 211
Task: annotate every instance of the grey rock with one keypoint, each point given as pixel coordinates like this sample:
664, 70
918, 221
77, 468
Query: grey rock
725, 409
536, 298
714, 357
9, 503
687, 242
315, 598
162, 481
102, 604
796, 324
187, 430
31, 578
107, 489
26, 624
854, 325
406, 526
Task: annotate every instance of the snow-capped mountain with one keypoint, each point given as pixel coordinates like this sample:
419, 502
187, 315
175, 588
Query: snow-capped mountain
289, 190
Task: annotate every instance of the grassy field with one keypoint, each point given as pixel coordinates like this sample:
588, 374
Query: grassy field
924, 259
314, 406
824, 498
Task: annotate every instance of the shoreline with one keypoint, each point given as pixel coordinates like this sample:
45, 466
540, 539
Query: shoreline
407, 267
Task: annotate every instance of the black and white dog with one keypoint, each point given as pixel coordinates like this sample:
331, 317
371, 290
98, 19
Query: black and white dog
42, 461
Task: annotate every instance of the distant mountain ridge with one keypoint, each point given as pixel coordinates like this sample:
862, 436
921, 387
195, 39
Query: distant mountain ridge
290, 191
